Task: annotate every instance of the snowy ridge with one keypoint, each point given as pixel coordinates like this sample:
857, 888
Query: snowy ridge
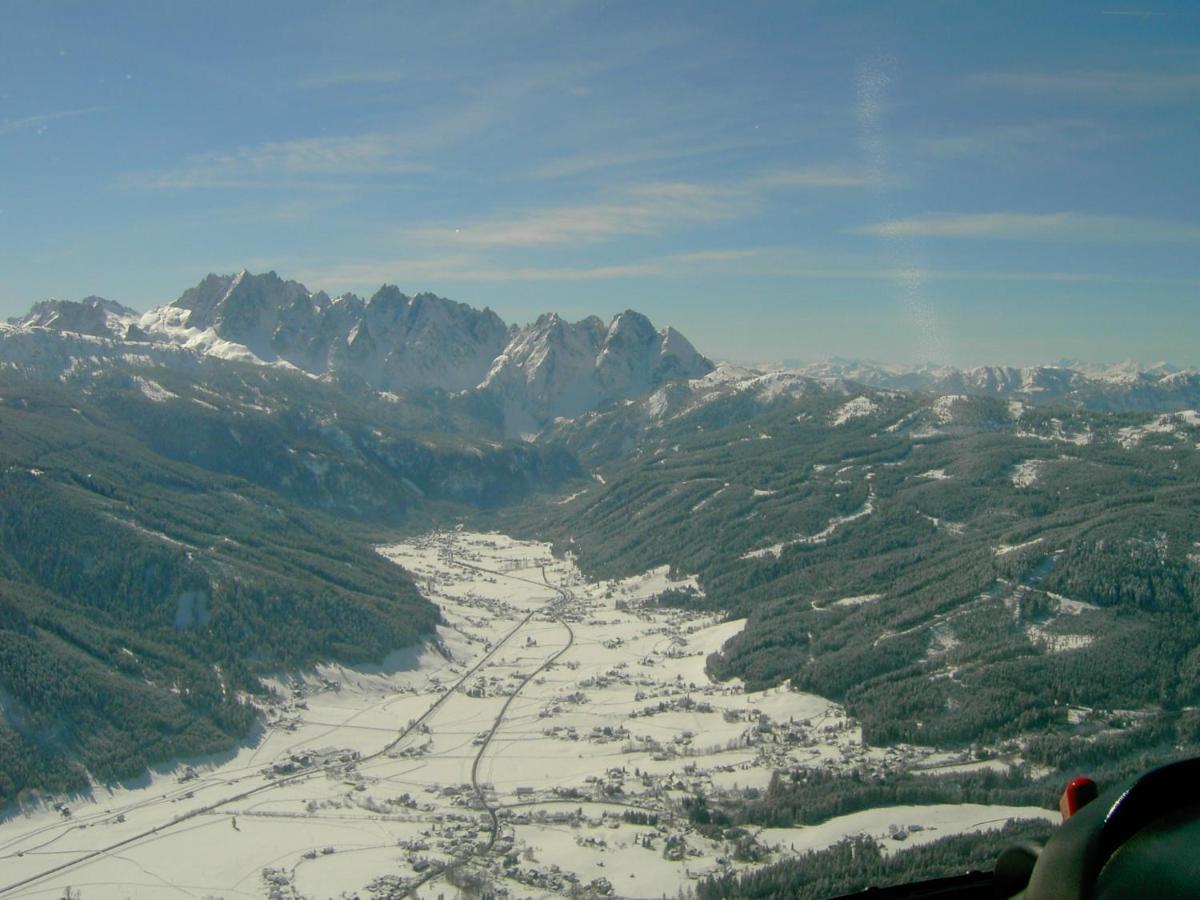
1124, 386
558, 369
725, 380
858, 408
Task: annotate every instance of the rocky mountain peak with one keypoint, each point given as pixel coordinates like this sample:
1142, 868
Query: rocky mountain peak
389, 299
202, 299
554, 368
630, 326
92, 315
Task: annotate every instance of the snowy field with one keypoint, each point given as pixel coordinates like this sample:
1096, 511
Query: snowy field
545, 744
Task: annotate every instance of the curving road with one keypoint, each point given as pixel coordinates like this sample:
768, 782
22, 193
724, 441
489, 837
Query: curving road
565, 596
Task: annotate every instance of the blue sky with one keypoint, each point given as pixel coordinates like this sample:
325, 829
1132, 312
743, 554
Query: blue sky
957, 182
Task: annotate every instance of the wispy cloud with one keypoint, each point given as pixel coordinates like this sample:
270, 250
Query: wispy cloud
644, 209
1024, 142
917, 273
583, 163
1102, 83
1061, 226
641, 210
463, 109
349, 78
821, 177
41, 121
469, 267
365, 274
433, 35
281, 163
791, 262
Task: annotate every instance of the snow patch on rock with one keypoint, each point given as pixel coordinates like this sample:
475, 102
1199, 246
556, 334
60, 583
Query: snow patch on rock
857, 408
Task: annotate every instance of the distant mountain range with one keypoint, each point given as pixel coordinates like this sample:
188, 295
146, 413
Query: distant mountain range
1125, 386
394, 342
871, 371
528, 377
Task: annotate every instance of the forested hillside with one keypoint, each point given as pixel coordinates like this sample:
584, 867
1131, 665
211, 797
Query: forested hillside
956, 570
140, 597
330, 443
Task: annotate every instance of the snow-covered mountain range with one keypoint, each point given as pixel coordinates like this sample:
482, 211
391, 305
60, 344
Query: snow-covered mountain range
987, 379
1124, 386
522, 378
394, 342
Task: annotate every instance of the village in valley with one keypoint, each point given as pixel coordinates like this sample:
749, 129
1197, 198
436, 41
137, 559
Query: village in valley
552, 741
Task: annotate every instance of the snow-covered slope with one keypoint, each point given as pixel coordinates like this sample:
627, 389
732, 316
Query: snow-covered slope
681, 397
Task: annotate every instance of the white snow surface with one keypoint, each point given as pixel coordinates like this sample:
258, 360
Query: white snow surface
943, 407
857, 408
1026, 474
1005, 549
1133, 435
1057, 642
917, 825
152, 390
857, 600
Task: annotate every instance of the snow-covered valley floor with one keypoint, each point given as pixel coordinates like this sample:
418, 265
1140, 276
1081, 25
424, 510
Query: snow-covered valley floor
547, 744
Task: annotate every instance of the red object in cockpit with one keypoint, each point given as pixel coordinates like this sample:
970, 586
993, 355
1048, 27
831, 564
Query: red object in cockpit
1078, 793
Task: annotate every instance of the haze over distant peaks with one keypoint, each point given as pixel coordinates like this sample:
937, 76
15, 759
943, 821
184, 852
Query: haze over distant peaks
871, 371
1124, 385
